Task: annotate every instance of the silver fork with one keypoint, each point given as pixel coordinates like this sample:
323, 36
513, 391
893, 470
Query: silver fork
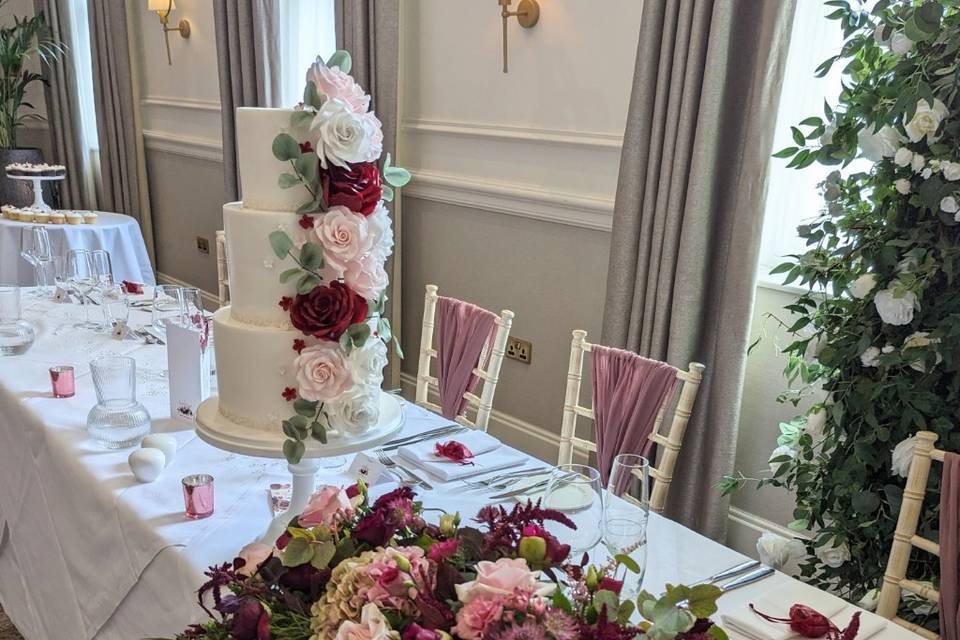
503, 480
412, 478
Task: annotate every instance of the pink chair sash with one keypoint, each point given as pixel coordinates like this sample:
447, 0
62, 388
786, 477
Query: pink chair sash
628, 391
950, 548
464, 336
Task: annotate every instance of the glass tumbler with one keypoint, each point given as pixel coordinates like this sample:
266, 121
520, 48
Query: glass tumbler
16, 334
575, 491
625, 515
117, 420
167, 305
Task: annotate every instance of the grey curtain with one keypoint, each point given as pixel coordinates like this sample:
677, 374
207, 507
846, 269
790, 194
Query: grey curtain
123, 173
247, 34
370, 31
63, 111
689, 211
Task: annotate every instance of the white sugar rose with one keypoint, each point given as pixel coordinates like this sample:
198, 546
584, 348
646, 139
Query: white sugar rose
322, 372
375, 131
949, 204
879, 145
894, 310
381, 231
870, 600
951, 170
776, 551
921, 340
782, 450
331, 82
343, 136
344, 236
356, 410
902, 456
900, 44
902, 185
368, 362
833, 556
903, 157
367, 276
917, 162
863, 285
926, 121
870, 357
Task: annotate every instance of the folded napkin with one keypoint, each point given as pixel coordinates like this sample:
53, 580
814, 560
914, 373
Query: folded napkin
777, 602
489, 455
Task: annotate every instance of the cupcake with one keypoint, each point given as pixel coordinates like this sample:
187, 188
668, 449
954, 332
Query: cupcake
74, 218
7, 211
57, 217
26, 215
89, 217
41, 217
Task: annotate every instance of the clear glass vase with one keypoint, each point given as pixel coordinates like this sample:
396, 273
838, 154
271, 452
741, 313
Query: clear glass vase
117, 420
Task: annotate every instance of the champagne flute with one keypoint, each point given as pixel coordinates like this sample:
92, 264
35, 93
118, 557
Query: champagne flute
82, 278
35, 249
625, 516
575, 491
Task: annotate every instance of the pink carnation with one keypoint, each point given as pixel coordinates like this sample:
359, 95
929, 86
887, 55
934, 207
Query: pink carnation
474, 617
334, 83
501, 579
326, 508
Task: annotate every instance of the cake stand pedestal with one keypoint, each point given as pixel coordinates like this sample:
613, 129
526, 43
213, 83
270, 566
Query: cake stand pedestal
218, 431
38, 181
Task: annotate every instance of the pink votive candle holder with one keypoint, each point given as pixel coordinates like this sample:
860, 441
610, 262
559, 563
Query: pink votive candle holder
63, 381
198, 496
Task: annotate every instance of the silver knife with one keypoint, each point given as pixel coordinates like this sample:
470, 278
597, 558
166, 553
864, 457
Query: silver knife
735, 570
422, 438
425, 435
537, 485
750, 578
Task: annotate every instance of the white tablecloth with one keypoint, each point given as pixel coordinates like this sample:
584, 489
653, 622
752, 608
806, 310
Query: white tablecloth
117, 233
88, 552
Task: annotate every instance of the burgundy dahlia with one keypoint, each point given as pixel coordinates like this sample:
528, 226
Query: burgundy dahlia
251, 621
327, 311
356, 187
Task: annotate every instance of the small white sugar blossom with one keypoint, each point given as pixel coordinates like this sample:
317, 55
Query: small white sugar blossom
926, 121
902, 455
917, 162
863, 285
894, 310
900, 44
949, 205
776, 551
782, 450
902, 185
951, 170
877, 146
903, 157
834, 555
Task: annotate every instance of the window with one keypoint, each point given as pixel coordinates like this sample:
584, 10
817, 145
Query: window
306, 31
792, 195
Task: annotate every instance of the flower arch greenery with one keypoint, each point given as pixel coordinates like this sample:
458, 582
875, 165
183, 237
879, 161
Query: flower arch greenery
877, 329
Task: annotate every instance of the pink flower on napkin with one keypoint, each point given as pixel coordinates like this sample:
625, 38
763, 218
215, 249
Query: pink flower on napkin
453, 450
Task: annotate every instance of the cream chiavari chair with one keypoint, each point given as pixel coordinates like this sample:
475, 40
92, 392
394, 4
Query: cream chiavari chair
905, 538
669, 444
223, 282
483, 404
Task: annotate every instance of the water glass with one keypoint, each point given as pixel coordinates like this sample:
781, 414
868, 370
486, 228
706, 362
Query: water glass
198, 496
115, 304
82, 278
117, 420
575, 491
35, 249
167, 305
625, 515
16, 335
102, 267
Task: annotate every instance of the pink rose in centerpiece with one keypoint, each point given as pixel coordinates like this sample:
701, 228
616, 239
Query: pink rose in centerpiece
501, 579
367, 276
327, 507
343, 235
334, 83
372, 626
322, 372
474, 617
253, 555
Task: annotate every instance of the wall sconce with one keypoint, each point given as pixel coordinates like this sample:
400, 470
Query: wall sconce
528, 13
163, 9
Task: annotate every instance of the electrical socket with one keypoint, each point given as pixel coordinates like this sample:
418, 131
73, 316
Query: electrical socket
203, 245
520, 350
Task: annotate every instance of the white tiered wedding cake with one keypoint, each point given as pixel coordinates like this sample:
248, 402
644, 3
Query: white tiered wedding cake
301, 349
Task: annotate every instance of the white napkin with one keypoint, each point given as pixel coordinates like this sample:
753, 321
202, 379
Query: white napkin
777, 603
489, 455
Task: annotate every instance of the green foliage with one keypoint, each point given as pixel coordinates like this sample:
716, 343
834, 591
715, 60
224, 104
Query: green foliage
20, 42
882, 384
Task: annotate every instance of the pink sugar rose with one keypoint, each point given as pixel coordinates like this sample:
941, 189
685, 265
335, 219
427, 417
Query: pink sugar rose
334, 83
344, 236
253, 555
501, 579
322, 372
474, 617
372, 626
367, 276
326, 508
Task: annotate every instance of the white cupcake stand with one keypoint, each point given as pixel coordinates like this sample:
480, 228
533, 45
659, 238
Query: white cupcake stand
216, 430
38, 181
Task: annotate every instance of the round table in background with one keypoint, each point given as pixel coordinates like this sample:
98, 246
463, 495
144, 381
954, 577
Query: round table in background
117, 233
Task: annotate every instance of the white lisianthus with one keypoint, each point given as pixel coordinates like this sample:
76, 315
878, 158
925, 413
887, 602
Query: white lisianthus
833, 556
827, 136
949, 205
951, 170
926, 173
902, 185
894, 310
920, 340
902, 455
356, 410
870, 357
782, 450
340, 135
776, 551
900, 44
903, 157
816, 421
907, 264
926, 121
877, 146
863, 285
917, 162
870, 600
367, 363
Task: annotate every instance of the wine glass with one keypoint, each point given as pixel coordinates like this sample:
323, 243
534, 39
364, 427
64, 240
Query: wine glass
167, 305
575, 491
103, 268
625, 515
35, 249
82, 278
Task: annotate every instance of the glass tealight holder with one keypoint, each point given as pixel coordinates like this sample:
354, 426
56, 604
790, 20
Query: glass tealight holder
117, 420
16, 335
198, 496
63, 382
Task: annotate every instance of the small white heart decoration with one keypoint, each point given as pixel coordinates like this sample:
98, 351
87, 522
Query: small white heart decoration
146, 464
163, 441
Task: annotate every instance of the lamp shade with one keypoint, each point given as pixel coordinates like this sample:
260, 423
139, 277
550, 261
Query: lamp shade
160, 6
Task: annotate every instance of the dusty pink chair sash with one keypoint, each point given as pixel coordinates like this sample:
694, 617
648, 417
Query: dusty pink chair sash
950, 548
628, 391
464, 334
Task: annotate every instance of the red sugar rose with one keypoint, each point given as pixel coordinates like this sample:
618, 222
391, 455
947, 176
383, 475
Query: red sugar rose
327, 311
356, 187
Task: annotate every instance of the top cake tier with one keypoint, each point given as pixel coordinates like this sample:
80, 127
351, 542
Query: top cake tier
259, 169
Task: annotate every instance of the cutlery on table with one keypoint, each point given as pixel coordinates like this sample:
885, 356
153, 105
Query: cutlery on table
390, 446
503, 480
542, 484
412, 478
750, 578
729, 572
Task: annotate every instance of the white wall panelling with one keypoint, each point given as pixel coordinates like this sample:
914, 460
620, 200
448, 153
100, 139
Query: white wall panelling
181, 145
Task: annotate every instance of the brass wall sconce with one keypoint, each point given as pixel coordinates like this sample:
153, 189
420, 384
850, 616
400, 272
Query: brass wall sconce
528, 13
163, 9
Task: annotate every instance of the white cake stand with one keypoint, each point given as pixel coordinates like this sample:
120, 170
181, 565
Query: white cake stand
38, 181
216, 430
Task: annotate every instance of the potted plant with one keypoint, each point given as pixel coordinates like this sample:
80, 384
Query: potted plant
23, 40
